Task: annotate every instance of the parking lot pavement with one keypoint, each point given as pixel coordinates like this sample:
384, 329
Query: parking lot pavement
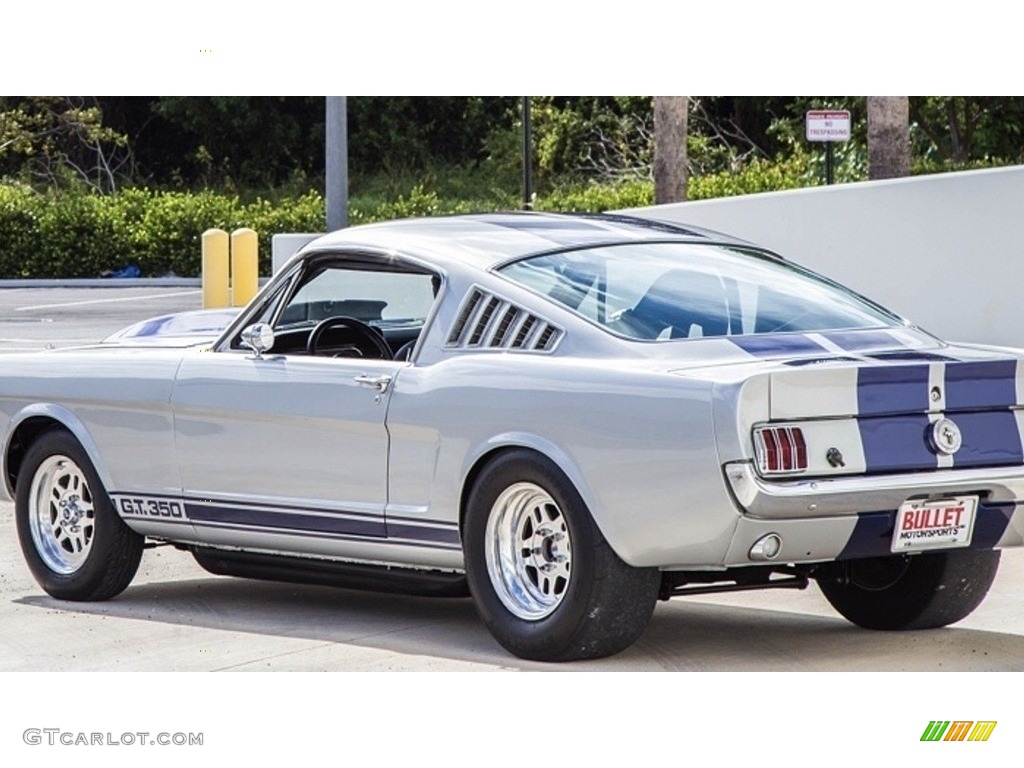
42, 318
175, 616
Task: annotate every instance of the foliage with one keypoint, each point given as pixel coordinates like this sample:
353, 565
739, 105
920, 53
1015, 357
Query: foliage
390, 134
241, 140
58, 141
594, 197
263, 142
92, 184
960, 130
85, 235
759, 175
474, 187
576, 138
20, 210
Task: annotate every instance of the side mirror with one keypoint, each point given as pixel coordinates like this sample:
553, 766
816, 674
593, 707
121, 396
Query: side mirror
258, 337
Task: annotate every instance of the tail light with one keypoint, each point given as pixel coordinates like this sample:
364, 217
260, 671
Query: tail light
780, 450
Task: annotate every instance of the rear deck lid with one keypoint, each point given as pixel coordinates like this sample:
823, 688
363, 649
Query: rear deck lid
961, 408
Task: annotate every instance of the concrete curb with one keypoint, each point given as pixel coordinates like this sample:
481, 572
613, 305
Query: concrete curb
111, 282
106, 282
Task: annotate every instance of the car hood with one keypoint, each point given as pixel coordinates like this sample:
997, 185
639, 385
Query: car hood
182, 329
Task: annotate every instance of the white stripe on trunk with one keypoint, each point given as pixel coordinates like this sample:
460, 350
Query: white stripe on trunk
804, 394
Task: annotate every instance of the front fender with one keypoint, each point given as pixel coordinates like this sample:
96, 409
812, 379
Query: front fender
59, 416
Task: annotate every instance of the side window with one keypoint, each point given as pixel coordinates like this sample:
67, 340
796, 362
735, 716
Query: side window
371, 296
349, 308
264, 312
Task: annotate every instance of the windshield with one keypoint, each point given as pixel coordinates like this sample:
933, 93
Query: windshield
686, 290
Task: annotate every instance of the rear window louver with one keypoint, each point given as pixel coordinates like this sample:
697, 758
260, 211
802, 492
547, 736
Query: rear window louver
486, 321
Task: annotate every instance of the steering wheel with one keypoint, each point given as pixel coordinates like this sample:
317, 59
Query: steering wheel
362, 340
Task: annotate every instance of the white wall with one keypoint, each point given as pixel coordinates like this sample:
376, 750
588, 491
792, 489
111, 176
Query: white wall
945, 251
284, 246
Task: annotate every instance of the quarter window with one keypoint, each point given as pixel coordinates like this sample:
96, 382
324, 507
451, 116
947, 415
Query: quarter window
682, 290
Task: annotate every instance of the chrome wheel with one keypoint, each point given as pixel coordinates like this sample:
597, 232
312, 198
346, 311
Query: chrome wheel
61, 514
529, 551
547, 584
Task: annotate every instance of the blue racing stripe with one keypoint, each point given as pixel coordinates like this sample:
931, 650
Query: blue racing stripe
896, 443
424, 533
892, 389
858, 341
871, 537
773, 345
872, 534
986, 384
990, 438
290, 521
335, 524
911, 356
557, 231
991, 524
527, 222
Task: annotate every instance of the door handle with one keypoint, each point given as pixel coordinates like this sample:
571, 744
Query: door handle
380, 383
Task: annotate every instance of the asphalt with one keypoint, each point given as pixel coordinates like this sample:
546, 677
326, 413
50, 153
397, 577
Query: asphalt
40, 318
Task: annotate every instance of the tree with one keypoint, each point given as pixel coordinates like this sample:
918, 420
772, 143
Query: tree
958, 131
888, 137
56, 141
670, 114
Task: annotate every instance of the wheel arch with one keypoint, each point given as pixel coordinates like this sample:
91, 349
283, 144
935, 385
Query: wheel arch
34, 420
503, 444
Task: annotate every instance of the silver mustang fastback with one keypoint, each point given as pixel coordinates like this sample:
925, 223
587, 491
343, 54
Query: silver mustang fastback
567, 417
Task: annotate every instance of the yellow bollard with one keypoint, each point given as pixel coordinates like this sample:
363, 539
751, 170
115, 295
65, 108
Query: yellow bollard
245, 267
215, 269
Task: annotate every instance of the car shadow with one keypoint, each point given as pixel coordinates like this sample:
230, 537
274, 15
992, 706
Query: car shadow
682, 635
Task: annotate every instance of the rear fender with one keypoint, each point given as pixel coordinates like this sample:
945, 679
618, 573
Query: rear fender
545, 448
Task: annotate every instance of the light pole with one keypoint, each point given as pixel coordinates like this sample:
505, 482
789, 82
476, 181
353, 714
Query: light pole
337, 163
527, 156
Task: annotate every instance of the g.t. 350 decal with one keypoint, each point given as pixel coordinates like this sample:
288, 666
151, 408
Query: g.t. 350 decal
147, 506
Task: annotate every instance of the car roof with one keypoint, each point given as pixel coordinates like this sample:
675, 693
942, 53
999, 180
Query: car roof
488, 239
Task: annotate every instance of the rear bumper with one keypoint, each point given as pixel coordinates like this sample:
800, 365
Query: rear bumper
846, 537
839, 496
851, 517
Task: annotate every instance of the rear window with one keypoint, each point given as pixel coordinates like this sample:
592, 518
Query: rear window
662, 291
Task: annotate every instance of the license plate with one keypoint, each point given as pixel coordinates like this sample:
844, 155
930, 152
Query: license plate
934, 524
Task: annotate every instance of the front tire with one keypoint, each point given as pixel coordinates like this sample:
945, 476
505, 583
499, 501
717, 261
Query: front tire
545, 581
73, 541
900, 592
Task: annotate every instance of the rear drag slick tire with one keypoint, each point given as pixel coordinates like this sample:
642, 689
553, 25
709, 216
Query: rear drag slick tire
545, 581
899, 592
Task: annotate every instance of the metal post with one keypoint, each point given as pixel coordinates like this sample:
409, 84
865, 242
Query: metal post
829, 162
245, 266
527, 156
215, 281
337, 163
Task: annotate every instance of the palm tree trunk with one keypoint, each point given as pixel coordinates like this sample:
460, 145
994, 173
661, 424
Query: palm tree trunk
670, 159
888, 137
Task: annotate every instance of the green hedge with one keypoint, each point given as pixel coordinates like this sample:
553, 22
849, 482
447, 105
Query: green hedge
758, 175
84, 235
